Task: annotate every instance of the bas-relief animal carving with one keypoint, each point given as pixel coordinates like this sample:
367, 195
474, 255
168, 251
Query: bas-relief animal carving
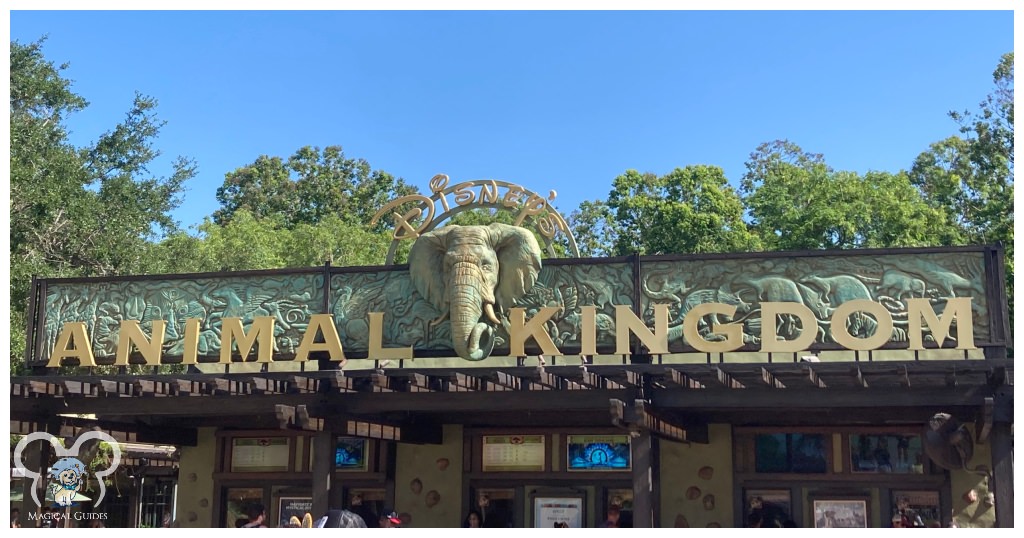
901, 284
839, 288
467, 271
666, 287
780, 289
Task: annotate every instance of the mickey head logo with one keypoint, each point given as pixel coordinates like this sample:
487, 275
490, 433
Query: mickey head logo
67, 454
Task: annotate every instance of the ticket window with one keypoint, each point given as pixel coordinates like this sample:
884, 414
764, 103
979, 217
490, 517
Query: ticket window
369, 503
237, 504
623, 498
497, 506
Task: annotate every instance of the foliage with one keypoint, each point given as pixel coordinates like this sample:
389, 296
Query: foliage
797, 202
970, 176
247, 242
307, 188
79, 211
691, 209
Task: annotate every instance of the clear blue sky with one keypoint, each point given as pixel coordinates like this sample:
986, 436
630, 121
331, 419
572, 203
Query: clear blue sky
562, 100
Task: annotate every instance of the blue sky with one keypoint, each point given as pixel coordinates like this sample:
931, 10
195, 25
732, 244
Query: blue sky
551, 100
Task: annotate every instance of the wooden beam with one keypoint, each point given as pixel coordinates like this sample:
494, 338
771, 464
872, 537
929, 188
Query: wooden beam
285, 416
727, 380
984, 422
304, 421
858, 377
770, 379
682, 380
79, 388
663, 426
300, 384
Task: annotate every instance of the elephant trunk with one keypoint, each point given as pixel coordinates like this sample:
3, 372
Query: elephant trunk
472, 338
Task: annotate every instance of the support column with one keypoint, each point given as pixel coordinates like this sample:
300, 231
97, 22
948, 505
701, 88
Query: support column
1002, 456
644, 455
323, 471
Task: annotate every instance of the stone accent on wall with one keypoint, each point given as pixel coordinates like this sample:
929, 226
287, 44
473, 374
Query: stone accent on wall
195, 482
433, 497
695, 478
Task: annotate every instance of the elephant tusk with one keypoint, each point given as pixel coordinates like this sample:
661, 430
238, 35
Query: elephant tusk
489, 310
439, 319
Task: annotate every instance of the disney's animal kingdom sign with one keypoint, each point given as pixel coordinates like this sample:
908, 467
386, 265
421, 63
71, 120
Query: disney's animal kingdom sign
479, 292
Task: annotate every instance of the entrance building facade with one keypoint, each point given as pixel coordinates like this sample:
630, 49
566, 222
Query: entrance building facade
810, 389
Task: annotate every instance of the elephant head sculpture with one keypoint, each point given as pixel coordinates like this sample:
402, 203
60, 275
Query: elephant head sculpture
464, 271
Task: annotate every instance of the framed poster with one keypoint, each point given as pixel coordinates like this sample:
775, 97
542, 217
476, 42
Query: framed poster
259, 454
350, 454
555, 512
296, 507
840, 513
513, 453
597, 453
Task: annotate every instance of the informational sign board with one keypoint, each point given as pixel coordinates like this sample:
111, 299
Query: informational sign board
513, 453
597, 453
350, 454
566, 512
259, 454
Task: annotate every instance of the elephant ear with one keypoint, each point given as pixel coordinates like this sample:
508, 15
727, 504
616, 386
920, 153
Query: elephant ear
518, 262
426, 260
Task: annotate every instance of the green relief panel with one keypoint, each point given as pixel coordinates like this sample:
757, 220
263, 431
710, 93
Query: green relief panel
409, 318
821, 283
289, 299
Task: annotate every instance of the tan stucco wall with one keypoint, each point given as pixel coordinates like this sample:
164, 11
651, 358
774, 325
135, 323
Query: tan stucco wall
425, 464
680, 470
977, 513
195, 481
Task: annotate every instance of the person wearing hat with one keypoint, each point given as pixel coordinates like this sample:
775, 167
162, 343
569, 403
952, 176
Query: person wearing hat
390, 520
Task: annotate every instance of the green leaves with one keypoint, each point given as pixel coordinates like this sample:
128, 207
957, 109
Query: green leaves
80, 211
691, 209
797, 202
307, 188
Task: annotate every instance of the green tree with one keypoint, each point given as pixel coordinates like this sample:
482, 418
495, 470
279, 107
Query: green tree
79, 211
307, 187
797, 202
594, 227
970, 176
688, 210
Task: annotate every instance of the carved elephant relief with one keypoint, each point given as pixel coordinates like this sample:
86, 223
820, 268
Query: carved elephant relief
467, 271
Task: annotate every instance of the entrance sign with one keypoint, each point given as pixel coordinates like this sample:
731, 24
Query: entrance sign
913, 299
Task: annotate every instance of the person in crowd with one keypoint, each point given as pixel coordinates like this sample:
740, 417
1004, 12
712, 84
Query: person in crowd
473, 520
15, 519
390, 520
363, 509
257, 515
755, 519
612, 521
340, 519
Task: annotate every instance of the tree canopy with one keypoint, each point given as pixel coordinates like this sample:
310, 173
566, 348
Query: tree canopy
79, 211
308, 187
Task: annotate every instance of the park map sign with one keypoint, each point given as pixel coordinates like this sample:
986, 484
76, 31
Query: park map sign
484, 291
